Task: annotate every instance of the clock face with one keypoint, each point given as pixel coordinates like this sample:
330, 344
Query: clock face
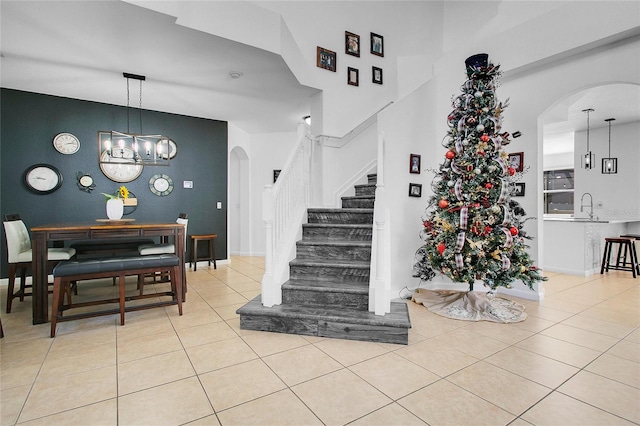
66, 143
120, 169
173, 149
86, 180
43, 178
161, 185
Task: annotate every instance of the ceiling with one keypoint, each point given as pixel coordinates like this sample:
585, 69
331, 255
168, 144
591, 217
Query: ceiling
79, 49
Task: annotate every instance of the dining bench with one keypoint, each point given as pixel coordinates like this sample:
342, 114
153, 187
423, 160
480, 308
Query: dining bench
120, 267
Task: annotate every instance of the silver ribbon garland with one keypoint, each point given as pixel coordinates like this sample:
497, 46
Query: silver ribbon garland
506, 263
457, 189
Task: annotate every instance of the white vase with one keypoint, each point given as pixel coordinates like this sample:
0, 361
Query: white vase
115, 208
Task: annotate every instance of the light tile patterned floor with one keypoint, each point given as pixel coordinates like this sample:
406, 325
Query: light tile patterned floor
575, 360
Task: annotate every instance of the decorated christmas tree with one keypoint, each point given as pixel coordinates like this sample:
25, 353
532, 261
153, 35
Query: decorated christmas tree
473, 230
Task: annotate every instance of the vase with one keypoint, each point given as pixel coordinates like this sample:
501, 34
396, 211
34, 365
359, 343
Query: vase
115, 208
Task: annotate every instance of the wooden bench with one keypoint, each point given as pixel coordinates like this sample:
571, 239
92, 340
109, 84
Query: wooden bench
113, 267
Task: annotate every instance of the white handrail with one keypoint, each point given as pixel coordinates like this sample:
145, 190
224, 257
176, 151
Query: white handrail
284, 205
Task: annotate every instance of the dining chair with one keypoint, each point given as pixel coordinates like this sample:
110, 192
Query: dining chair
162, 248
19, 256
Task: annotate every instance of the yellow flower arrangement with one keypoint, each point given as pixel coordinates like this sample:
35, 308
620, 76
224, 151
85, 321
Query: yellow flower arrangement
122, 192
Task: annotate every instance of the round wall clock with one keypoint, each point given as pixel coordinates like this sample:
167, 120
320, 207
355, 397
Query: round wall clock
120, 169
66, 143
173, 149
161, 185
85, 182
43, 178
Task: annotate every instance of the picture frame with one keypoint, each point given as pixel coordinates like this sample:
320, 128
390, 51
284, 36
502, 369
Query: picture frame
351, 44
326, 59
276, 173
376, 75
516, 160
353, 76
414, 163
415, 190
377, 44
519, 189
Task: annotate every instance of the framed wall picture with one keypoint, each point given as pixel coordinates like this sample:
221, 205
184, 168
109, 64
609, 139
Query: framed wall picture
516, 160
519, 189
415, 190
326, 59
377, 44
351, 44
376, 75
414, 163
353, 76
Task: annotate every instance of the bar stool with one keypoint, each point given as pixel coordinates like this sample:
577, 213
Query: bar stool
211, 250
633, 237
625, 245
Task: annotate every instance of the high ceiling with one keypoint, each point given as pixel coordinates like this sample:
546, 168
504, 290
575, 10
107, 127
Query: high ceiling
79, 49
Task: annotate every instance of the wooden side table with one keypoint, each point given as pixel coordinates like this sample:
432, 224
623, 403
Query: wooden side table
211, 250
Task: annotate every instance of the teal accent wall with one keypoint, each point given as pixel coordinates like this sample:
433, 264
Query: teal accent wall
29, 122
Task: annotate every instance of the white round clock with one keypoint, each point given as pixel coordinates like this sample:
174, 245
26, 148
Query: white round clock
43, 178
173, 149
120, 169
66, 143
161, 185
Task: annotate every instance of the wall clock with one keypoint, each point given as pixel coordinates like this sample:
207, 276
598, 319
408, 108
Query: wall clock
161, 185
120, 169
85, 182
173, 149
43, 178
66, 143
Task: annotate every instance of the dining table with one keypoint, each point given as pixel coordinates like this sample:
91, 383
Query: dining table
43, 236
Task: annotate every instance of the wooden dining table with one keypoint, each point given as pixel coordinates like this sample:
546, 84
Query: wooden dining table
43, 236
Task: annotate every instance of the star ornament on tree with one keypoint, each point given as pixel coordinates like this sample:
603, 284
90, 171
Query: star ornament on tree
475, 230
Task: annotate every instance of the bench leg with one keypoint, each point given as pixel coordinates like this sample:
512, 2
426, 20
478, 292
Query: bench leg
57, 284
121, 279
176, 285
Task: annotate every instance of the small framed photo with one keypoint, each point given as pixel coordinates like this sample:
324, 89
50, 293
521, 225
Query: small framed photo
326, 59
353, 76
376, 75
276, 173
519, 191
414, 163
377, 44
351, 44
415, 190
516, 160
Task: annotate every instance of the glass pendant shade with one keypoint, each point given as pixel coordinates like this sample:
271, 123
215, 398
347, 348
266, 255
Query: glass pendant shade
610, 164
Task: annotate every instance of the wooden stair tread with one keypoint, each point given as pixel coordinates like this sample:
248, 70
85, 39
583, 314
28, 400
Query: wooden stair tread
398, 317
339, 210
339, 225
331, 262
334, 286
341, 243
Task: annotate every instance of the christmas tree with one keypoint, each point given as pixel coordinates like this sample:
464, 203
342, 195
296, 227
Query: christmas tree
473, 230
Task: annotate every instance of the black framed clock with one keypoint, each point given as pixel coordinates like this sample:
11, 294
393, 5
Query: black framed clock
85, 182
43, 179
161, 185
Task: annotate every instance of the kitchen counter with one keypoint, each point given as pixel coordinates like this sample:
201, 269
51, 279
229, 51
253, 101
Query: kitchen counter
575, 245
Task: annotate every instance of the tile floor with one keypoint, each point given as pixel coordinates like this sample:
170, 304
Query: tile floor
574, 361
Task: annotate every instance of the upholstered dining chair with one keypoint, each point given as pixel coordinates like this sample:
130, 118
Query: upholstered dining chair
19, 256
162, 248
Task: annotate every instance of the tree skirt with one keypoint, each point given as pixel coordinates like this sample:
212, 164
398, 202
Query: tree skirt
470, 305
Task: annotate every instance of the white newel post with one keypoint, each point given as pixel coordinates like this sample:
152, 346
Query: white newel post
268, 283
381, 283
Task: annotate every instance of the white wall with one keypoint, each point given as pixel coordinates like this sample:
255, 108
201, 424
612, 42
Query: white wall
615, 196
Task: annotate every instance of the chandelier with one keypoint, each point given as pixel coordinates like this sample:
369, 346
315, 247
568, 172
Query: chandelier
134, 148
609, 164
588, 159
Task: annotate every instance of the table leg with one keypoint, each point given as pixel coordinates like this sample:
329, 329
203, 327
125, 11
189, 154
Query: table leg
40, 296
179, 244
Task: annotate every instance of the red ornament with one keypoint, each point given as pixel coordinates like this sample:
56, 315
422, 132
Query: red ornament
450, 155
513, 230
484, 138
441, 247
488, 185
443, 204
512, 171
481, 153
487, 229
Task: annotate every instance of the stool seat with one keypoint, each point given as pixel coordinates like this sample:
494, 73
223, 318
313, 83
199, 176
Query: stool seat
626, 250
211, 250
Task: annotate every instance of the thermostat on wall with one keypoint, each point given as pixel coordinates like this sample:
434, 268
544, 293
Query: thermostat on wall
187, 184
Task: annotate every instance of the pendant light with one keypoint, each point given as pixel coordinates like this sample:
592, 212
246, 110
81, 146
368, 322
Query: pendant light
588, 160
134, 148
609, 165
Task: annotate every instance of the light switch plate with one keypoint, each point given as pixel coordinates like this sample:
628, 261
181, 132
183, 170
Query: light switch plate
219, 205
187, 184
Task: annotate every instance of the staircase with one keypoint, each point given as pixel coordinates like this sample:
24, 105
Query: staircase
327, 294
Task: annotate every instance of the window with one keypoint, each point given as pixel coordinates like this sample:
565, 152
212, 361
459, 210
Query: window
558, 191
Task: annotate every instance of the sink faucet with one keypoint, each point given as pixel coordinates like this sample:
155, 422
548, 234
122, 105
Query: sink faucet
590, 205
